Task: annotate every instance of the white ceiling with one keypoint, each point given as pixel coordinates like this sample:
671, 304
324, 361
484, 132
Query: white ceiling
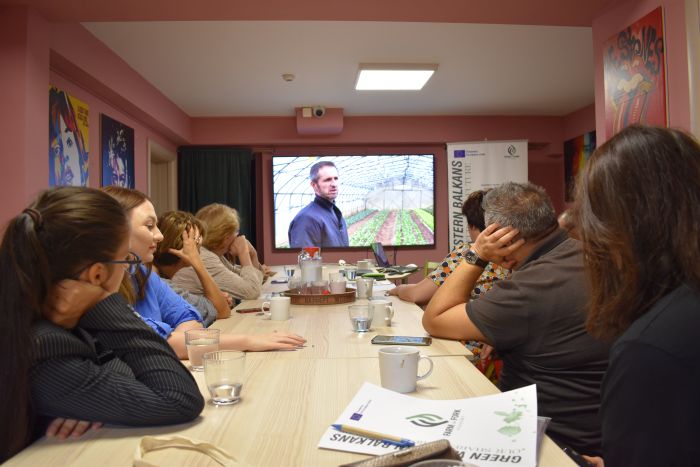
234, 68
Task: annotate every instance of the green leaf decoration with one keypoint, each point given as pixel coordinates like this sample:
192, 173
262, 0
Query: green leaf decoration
509, 430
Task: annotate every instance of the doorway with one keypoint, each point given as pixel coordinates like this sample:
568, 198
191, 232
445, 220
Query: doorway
162, 178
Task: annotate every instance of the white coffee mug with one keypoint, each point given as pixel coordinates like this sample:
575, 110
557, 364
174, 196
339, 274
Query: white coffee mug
335, 277
279, 308
398, 368
383, 312
338, 286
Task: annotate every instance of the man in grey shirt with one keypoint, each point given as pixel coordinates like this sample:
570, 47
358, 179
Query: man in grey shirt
536, 318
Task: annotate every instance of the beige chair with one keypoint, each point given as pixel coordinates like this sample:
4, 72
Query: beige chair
429, 267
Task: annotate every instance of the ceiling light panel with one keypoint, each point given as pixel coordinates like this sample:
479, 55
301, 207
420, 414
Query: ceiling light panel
393, 77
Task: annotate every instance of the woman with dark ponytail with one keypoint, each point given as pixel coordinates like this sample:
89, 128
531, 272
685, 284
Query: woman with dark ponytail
73, 349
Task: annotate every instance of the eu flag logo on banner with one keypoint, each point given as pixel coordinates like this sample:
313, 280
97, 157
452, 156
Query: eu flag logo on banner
459, 153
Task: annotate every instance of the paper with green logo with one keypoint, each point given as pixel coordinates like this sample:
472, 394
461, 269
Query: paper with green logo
495, 430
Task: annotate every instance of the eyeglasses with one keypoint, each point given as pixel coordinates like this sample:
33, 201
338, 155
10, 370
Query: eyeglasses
132, 259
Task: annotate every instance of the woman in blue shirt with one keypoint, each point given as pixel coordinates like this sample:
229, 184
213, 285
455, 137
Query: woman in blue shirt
159, 306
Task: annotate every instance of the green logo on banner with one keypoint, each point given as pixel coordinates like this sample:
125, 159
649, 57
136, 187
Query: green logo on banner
426, 420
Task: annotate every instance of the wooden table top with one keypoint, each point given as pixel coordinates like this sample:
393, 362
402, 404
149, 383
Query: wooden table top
286, 406
328, 331
289, 398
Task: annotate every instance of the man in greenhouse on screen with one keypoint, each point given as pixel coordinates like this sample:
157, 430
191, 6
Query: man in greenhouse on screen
320, 223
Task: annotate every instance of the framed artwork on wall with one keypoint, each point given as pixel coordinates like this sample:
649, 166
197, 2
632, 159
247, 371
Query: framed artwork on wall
68, 139
117, 153
634, 63
576, 153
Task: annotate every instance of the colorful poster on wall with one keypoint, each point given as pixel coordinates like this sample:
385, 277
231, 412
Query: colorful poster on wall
635, 75
68, 139
477, 166
576, 153
117, 143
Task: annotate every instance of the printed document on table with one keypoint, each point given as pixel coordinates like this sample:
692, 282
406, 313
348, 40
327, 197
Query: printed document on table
495, 430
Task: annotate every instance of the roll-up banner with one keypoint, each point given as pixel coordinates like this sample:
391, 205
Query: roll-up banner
477, 166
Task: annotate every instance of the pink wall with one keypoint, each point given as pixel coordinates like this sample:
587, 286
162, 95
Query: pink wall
261, 131
142, 133
90, 63
24, 59
579, 122
366, 134
676, 45
35, 53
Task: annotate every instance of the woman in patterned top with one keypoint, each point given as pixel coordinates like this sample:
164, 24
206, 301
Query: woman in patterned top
422, 292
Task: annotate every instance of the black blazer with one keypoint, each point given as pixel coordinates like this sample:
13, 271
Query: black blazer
111, 368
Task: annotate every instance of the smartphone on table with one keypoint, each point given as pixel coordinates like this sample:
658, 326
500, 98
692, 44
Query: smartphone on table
402, 340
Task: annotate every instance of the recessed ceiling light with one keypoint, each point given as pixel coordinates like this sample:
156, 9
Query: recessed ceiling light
393, 77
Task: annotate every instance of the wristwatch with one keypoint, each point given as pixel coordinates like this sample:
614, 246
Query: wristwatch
472, 258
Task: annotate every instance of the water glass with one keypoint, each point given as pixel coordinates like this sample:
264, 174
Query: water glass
320, 288
199, 342
289, 272
360, 317
350, 272
295, 285
223, 373
364, 287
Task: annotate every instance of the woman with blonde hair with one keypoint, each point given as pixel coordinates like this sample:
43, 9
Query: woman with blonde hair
182, 237
243, 282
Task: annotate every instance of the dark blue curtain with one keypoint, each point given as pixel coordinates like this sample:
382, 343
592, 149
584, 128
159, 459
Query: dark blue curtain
218, 175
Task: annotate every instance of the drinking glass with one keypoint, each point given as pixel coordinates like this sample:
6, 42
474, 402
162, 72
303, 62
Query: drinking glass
289, 271
223, 373
320, 288
364, 287
360, 317
199, 342
295, 285
350, 272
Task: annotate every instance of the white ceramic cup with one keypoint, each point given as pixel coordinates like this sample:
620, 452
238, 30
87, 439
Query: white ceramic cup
335, 276
383, 312
338, 286
364, 287
364, 264
279, 308
398, 368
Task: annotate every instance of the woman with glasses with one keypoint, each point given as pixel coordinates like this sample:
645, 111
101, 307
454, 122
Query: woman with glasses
182, 238
164, 310
73, 349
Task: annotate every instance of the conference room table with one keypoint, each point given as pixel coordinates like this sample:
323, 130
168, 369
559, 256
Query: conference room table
289, 398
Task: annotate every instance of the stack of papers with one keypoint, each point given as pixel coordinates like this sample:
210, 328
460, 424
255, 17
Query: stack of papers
496, 430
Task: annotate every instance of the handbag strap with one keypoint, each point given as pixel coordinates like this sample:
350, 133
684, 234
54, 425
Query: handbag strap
153, 443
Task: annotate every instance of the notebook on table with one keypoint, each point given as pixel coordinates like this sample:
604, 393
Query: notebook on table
385, 265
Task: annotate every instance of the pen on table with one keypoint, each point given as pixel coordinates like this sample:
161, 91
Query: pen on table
395, 440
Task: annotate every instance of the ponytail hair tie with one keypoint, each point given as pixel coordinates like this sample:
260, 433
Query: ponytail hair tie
36, 217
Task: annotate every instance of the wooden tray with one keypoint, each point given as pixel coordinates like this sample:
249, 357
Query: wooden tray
316, 299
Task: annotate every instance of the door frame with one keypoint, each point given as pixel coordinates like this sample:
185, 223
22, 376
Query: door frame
159, 153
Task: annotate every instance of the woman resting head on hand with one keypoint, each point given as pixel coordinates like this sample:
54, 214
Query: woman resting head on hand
182, 238
64, 327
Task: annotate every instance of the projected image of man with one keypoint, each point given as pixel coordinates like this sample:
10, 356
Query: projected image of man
320, 223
